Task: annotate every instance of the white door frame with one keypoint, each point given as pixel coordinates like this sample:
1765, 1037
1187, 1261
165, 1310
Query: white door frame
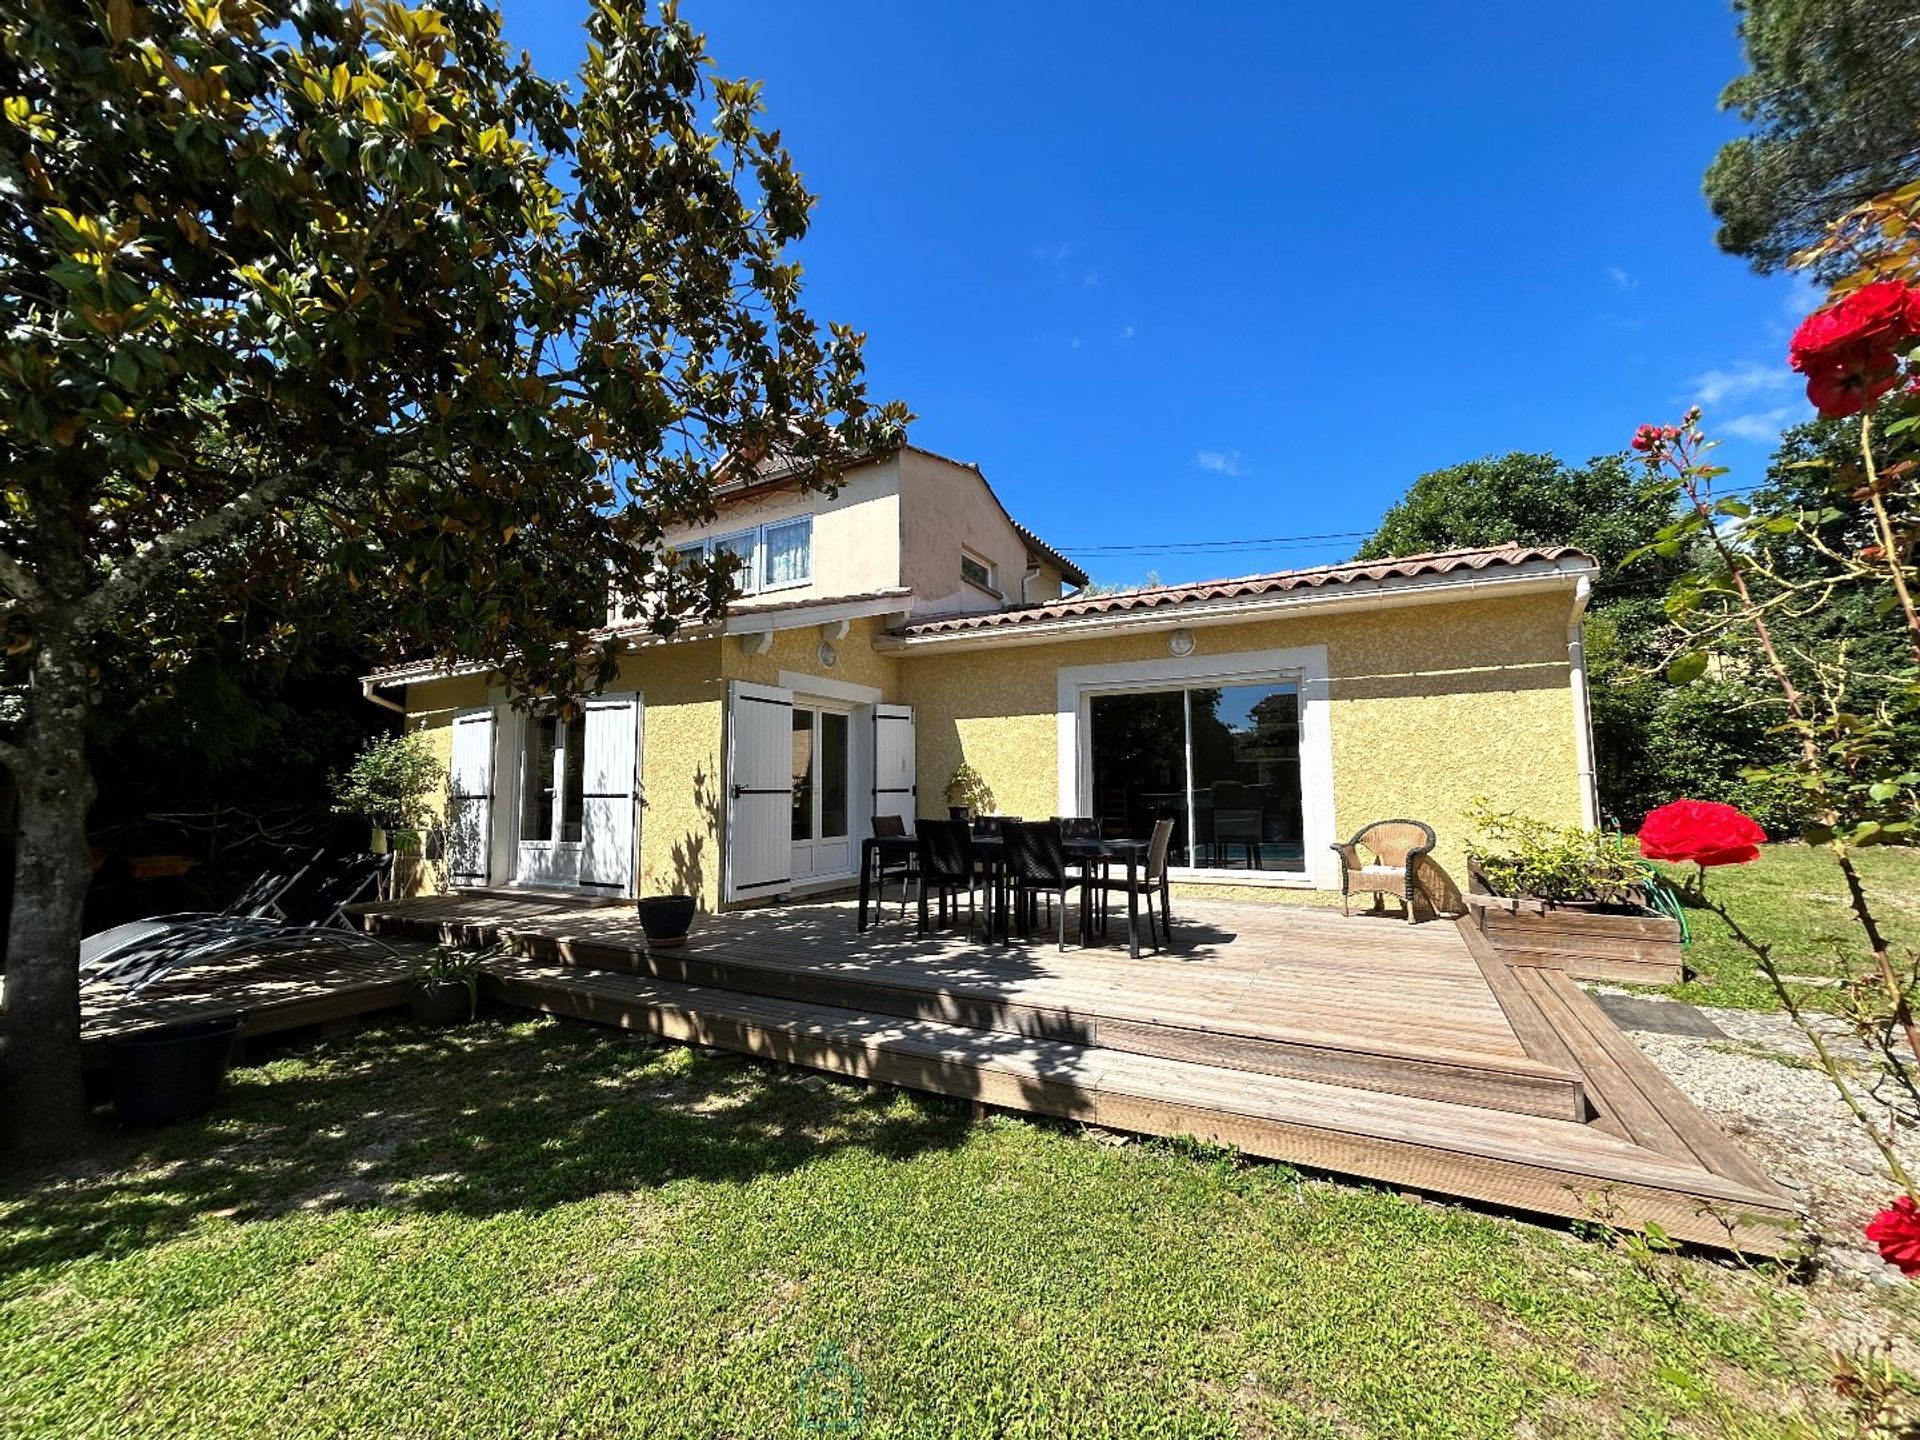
830, 692
509, 740
1305, 665
849, 868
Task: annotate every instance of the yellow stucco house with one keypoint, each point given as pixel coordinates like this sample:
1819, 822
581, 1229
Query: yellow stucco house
907, 622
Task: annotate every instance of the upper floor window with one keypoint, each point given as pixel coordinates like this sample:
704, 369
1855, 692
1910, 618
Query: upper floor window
771, 557
976, 571
787, 553
744, 547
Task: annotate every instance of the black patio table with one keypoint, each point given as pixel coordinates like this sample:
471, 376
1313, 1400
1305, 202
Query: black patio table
992, 849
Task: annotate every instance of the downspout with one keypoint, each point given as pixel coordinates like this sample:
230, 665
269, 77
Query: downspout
1582, 713
367, 693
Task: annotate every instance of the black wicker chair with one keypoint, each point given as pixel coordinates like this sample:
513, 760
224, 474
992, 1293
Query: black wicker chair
944, 852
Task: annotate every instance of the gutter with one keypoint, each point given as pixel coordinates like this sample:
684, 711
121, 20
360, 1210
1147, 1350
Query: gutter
367, 692
1582, 707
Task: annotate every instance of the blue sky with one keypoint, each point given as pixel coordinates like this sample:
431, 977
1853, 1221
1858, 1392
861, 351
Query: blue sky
1228, 272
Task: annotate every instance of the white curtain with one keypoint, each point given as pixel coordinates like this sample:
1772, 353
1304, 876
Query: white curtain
789, 552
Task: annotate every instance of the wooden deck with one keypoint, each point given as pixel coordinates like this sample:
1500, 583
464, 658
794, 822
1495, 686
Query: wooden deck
1407, 1055
284, 989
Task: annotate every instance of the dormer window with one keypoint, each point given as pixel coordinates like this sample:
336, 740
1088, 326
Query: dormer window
979, 572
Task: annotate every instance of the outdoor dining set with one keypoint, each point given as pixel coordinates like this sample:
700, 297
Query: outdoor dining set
1007, 868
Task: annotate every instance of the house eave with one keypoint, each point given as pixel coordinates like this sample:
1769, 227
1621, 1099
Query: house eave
745, 621
1352, 595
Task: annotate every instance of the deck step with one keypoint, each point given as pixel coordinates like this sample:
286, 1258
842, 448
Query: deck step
1556, 1167
1003, 996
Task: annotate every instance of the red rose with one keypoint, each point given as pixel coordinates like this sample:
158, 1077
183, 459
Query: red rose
1700, 832
1648, 437
1896, 1230
1850, 352
1857, 379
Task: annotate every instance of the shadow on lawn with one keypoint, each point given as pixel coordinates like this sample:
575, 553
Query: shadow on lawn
490, 1119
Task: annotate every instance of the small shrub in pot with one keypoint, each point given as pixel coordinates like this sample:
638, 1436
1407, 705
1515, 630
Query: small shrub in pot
446, 988
1520, 858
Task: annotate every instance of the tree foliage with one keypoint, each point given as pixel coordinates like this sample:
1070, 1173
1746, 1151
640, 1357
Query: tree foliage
299, 294
393, 782
1833, 93
1605, 507
1608, 508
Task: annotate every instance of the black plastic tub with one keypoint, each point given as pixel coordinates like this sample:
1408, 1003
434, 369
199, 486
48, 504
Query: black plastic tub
170, 1072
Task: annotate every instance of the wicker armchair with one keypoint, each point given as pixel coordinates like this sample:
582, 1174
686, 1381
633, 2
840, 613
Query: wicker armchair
1381, 860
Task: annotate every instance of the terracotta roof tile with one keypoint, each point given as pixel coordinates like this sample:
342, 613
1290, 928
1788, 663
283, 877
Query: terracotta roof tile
1169, 596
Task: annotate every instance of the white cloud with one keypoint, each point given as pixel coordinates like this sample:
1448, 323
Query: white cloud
1220, 462
1126, 332
1740, 381
1621, 278
1054, 255
1763, 427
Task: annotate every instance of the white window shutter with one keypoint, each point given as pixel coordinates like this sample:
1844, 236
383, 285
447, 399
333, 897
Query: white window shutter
470, 799
894, 789
610, 785
759, 853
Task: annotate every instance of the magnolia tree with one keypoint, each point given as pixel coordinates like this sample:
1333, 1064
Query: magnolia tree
1761, 570
298, 294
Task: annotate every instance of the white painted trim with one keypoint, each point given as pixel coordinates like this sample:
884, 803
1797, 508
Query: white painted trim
746, 621
749, 621
1540, 577
802, 683
1076, 685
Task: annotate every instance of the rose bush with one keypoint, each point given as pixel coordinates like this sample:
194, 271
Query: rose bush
1850, 352
1700, 832
1896, 1230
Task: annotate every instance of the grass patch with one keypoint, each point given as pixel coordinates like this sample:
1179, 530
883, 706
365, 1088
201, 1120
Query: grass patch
1793, 898
539, 1228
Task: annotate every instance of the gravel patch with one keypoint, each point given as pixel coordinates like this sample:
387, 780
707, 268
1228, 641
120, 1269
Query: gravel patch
1763, 1085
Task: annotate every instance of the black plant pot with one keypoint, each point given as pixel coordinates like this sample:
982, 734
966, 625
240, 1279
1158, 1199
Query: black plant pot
442, 1002
666, 919
170, 1072
960, 812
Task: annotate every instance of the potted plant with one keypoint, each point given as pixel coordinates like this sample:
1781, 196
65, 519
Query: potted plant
1569, 898
446, 988
967, 793
166, 1073
666, 919
391, 784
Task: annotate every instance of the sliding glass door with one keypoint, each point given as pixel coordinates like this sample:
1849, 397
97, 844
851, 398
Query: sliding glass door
1222, 761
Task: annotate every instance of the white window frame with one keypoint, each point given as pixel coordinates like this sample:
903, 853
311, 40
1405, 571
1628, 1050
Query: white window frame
752, 539
1304, 666
757, 553
761, 553
991, 584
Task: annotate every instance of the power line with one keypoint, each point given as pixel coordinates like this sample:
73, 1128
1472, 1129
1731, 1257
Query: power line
1273, 542
1199, 546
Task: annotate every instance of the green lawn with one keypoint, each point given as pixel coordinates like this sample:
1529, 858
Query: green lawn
1795, 899
538, 1229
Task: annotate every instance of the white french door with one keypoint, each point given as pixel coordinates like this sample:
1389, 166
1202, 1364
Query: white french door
552, 800
821, 812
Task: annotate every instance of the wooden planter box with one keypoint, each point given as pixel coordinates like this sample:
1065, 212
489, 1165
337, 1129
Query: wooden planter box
1589, 944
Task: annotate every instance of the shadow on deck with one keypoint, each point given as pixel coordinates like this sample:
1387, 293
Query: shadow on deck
1407, 1055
